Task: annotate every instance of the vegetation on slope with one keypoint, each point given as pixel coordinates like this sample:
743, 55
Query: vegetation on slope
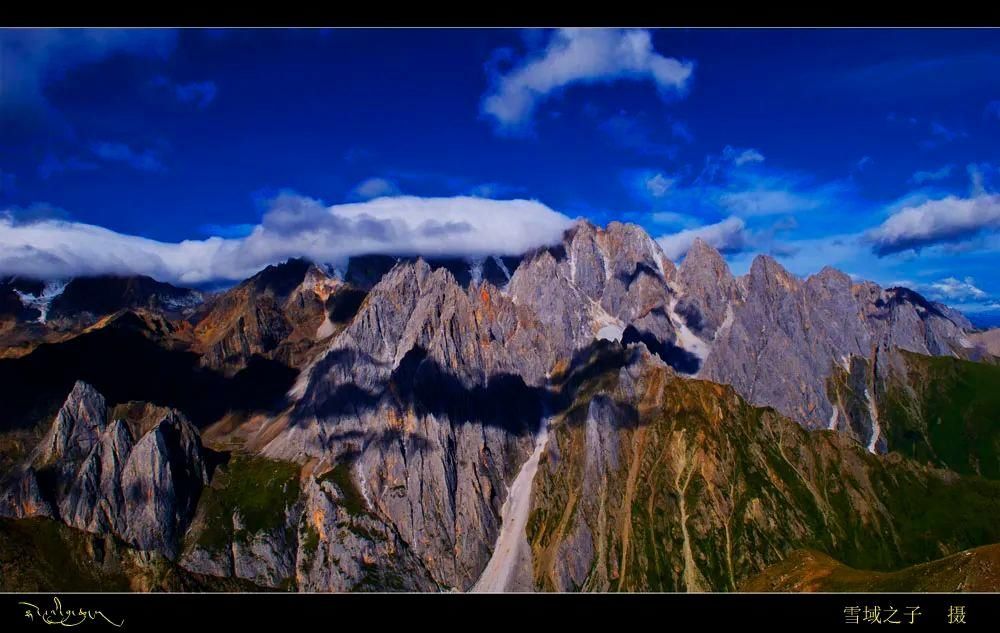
653, 482
254, 490
947, 413
45, 555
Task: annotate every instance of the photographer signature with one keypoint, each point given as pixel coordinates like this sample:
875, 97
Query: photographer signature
65, 617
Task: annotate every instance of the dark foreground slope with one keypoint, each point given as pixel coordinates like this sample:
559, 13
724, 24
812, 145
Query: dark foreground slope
45, 555
807, 570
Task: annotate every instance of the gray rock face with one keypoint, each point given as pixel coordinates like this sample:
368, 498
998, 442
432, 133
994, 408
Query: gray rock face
105, 482
787, 336
76, 429
161, 479
598, 279
708, 289
432, 395
351, 549
266, 558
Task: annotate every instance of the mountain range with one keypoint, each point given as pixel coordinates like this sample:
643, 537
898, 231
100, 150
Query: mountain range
589, 415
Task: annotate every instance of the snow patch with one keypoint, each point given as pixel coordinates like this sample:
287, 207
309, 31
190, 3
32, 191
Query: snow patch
651, 245
876, 429
687, 339
727, 322
833, 419
610, 332
502, 266
50, 291
605, 326
180, 304
512, 548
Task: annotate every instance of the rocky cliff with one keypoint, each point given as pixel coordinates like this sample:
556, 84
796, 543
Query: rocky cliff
101, 476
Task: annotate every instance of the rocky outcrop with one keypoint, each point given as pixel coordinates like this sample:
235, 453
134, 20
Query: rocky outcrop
788, 337
432, 394
600, 283
21, 495
279, 313
345, 547
102, 478
708, 289
85, 299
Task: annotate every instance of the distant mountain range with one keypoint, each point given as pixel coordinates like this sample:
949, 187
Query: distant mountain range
617, 421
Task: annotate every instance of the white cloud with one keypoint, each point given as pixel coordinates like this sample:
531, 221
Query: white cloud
294, 226
953, 289
580, 55
726, 236
374, 188
948, 219
739, 156
658, 185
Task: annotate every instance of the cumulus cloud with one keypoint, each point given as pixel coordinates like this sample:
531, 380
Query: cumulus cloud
953, 289
294, 226
727, 236
950, 219
574, 56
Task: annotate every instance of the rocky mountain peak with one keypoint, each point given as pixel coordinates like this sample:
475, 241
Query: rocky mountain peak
105, 479
77, 426
85, 299
769, 277
707, 289
702, 256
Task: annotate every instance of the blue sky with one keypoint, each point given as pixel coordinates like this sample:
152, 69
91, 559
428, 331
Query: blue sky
197, 155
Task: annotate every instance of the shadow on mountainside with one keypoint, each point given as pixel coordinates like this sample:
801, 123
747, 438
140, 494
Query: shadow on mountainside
420, 384
124, 364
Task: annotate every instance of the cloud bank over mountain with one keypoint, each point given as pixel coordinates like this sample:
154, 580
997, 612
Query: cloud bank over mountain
726, 236
294, 226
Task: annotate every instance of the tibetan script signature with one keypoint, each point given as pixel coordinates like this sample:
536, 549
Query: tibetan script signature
61, 616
